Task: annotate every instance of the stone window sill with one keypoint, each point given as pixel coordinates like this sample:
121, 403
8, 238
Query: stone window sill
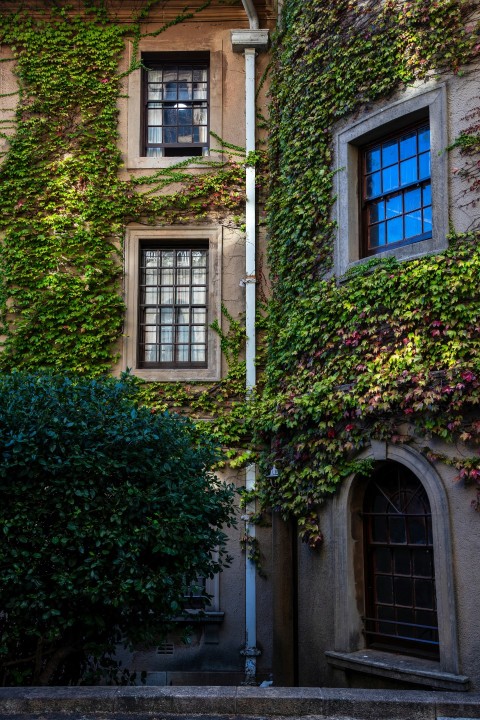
158, 163
201, 616
398, 667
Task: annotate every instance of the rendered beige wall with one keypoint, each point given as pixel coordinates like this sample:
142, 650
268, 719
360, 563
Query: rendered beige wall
8, 84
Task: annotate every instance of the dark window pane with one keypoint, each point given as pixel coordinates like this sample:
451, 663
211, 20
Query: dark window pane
185, 116
394, 230
427, 219
185, 134
429, 533
413, 199
373, 158
170, 91
384, 589
422, 562
389, 152
417, 531
170, 116
426, 617
404, 591
405, 615
390, 178
185, 91
377, 211
424, 165
380, 503
402, 558
408, 145
386, 612
394, 206
383, 560
374, 184
424, 139
379, 529
408, 171
424, 593
397, 530
427, 194
377, 235
170, 135
413, 224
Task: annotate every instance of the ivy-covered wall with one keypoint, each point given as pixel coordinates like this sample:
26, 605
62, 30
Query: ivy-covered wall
391, 351
350, 361
66, 197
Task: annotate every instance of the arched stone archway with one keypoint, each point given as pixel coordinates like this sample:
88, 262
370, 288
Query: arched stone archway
349, 562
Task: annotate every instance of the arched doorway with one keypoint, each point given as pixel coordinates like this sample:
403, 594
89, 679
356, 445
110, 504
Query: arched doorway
400, 593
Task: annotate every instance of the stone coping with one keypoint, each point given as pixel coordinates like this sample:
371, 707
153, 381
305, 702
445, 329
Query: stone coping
180, 702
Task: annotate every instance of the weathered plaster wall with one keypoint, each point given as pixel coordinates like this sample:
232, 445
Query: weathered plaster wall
8, 84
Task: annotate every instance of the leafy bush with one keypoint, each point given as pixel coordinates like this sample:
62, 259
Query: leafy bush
107, 511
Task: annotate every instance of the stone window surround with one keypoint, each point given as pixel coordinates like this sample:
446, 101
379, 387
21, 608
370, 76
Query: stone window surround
134, 160
156, 236
349, 650
427, 101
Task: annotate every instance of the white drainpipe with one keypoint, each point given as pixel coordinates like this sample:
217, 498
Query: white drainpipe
251, 650
249, 41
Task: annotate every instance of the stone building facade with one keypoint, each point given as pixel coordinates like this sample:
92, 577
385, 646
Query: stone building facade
365, 610
186, 100
317, 617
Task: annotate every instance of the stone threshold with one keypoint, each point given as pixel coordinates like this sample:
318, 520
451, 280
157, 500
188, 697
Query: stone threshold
399, 667
220, 703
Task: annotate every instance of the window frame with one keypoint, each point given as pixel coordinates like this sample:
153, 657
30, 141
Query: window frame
144, 305
417, 104
367, 202
177, 237
165, 60
134, 159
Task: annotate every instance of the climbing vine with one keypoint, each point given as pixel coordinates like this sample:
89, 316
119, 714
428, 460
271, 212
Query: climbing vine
392, 351
64, 205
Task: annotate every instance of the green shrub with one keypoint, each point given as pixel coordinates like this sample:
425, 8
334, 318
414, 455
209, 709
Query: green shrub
107, 510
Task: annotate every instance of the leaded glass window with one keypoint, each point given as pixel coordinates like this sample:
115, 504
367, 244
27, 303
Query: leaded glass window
173, 307
397, 198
